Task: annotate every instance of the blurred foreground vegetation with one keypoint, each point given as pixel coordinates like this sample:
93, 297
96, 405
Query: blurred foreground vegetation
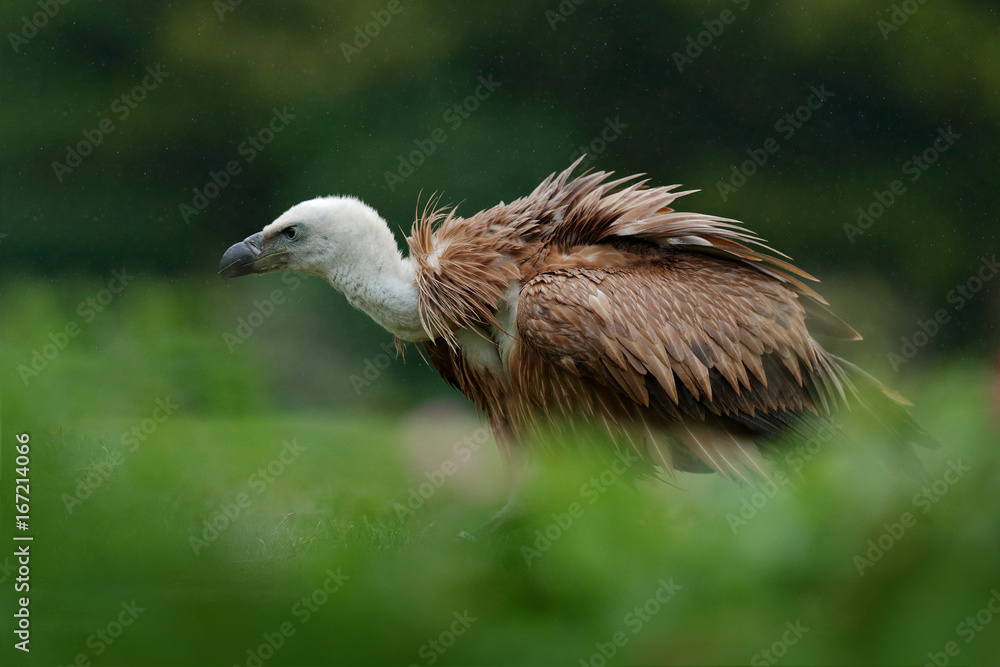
245, 474
563, 77
183, 490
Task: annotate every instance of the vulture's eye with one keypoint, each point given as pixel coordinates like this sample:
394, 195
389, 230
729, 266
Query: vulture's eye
291, 233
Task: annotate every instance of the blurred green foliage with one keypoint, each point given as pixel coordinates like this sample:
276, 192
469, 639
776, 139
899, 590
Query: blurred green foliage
259, 363
364, 502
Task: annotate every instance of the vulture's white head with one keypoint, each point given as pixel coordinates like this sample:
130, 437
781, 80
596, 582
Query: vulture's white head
345, 241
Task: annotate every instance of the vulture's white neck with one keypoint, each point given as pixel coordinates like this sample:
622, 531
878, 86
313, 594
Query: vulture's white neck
350, 244
382, 283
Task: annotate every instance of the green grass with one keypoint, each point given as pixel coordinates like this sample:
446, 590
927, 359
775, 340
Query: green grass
334, 507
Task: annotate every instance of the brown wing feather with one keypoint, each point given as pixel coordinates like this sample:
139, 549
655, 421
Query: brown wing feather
464, 264
633, 314
687, 335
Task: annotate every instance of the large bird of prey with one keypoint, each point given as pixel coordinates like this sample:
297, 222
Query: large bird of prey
592, 300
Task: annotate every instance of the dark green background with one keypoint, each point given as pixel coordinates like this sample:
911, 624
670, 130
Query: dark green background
566, 72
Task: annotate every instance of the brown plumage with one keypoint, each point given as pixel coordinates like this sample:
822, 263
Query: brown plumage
591, 299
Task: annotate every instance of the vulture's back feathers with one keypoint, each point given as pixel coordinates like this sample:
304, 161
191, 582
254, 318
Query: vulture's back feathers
593, 299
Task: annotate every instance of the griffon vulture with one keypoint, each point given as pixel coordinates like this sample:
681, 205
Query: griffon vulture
590, 299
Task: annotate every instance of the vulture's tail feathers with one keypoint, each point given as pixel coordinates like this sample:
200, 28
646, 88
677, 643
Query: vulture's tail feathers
889, 409
821, 320
718, 449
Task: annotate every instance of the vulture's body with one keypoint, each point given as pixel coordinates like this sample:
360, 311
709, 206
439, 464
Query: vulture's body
589, 300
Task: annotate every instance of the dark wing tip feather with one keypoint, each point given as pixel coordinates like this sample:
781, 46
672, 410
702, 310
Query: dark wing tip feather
887, 406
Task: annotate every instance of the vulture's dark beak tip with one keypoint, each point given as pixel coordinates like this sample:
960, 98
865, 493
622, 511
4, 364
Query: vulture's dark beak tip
239, 259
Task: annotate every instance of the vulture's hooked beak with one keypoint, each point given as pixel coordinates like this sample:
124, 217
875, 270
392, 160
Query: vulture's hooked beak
251, 256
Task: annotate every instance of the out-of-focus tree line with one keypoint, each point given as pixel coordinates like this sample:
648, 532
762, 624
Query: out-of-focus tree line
860, 138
